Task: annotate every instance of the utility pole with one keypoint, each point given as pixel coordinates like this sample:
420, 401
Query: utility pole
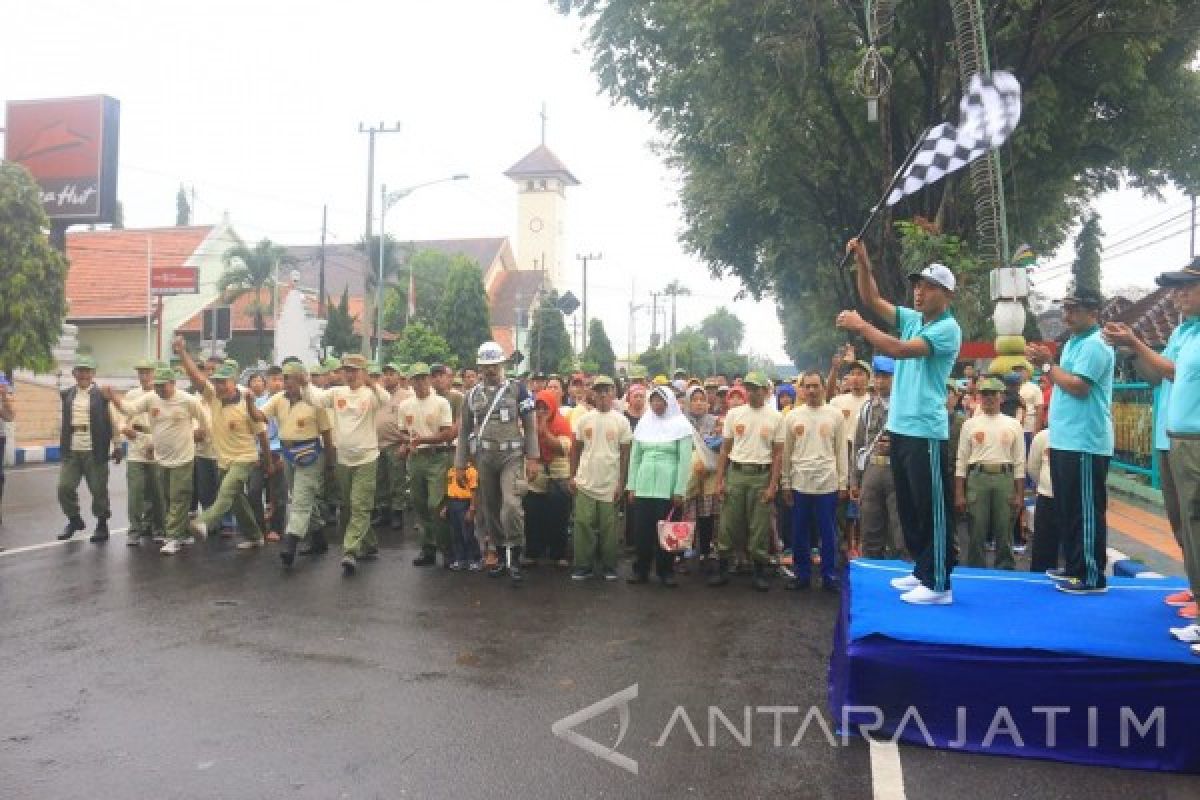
371, 132
1193, 244
674, 288
634, 307
654, 319
321, 265
585, 260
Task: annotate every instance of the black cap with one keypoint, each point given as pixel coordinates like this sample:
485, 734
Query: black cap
438, 369
1088, 298
1187, 276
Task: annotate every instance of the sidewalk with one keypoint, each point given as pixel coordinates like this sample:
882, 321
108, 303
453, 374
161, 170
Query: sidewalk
1143, 534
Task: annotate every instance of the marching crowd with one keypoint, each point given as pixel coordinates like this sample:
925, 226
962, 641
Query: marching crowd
878, 458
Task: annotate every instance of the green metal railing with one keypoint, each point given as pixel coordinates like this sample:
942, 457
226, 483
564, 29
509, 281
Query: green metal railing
1133, 412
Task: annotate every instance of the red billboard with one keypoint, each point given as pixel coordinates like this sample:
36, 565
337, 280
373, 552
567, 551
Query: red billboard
69, 145
173, 280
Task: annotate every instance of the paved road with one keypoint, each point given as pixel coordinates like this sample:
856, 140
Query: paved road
215, 674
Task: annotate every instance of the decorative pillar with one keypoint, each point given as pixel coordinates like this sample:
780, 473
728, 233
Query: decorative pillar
1009, 291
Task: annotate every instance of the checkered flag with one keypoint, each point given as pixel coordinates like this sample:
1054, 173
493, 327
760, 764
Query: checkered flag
988, 113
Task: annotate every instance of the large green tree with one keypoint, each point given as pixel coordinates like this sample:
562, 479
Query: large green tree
1085, 269
33, 301
779, 163
419, 342
725, 327
462, 313
251, 271
549, 344
599, 351
430, 271
339, 335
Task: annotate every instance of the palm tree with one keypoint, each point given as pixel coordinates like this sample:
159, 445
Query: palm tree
250, 270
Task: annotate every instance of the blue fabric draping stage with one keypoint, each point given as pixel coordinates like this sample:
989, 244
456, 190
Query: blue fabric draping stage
1016, 668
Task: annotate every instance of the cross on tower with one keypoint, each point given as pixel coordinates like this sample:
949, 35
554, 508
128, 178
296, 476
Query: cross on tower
545, 119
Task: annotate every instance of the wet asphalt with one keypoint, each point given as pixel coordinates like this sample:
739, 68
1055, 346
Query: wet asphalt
216, 674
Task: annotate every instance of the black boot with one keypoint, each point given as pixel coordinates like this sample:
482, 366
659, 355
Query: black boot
720, 576
74, 525
288, 554
668, 581
101, 532
514, 571
428, 558
760, 579
316, 544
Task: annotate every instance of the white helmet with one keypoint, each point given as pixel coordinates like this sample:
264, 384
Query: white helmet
490, 353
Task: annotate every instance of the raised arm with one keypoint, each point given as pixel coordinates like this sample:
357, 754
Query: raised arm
868, 289
198, 378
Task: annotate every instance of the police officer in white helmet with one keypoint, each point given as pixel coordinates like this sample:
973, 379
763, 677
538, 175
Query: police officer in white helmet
500, 435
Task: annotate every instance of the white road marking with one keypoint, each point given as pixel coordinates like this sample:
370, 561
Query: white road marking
887, 774
55, 543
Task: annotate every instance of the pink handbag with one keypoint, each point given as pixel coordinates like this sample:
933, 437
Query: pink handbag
675, 536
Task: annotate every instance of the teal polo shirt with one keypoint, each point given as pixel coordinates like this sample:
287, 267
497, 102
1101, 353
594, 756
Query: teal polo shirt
1084, 424
918, 404
1183, 410
1162, 397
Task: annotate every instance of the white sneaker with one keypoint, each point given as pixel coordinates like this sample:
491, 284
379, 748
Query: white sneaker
189, 540
1195, 649
906, 584
198, 529
1188, 634
133, 540
249, 544
171, 548
924, 596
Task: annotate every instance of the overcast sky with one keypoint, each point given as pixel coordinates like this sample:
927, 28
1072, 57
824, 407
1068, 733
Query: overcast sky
257, 105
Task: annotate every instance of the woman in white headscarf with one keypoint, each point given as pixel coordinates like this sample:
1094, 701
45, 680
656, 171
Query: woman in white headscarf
659, 467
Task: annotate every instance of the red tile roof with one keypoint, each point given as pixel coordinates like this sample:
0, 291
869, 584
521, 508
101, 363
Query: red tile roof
108, 269
242, 315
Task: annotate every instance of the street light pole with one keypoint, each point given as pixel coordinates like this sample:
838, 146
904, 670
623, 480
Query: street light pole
371, 132
386, 201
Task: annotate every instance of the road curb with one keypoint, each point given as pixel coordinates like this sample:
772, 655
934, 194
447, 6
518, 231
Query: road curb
1123, 566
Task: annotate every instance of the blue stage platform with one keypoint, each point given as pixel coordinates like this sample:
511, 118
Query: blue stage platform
1016, 668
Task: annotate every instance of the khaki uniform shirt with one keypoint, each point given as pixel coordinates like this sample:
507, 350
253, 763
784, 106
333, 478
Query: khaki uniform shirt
602, 434
987, 439
814, 451
851, 407
141, 446
234, 431
426, 416
299, 421
1031, 396
754, 432
353, 413
172, 425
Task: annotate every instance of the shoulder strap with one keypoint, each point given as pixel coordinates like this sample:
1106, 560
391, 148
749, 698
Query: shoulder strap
491, 409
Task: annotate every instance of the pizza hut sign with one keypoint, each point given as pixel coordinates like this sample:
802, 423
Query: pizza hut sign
69, 146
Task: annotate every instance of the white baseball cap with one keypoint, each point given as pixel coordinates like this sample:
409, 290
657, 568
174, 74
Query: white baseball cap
936, 273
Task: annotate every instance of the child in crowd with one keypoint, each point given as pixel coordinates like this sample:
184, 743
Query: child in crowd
459, 513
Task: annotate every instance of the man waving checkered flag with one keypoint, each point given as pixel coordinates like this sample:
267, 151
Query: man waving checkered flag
988, 113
